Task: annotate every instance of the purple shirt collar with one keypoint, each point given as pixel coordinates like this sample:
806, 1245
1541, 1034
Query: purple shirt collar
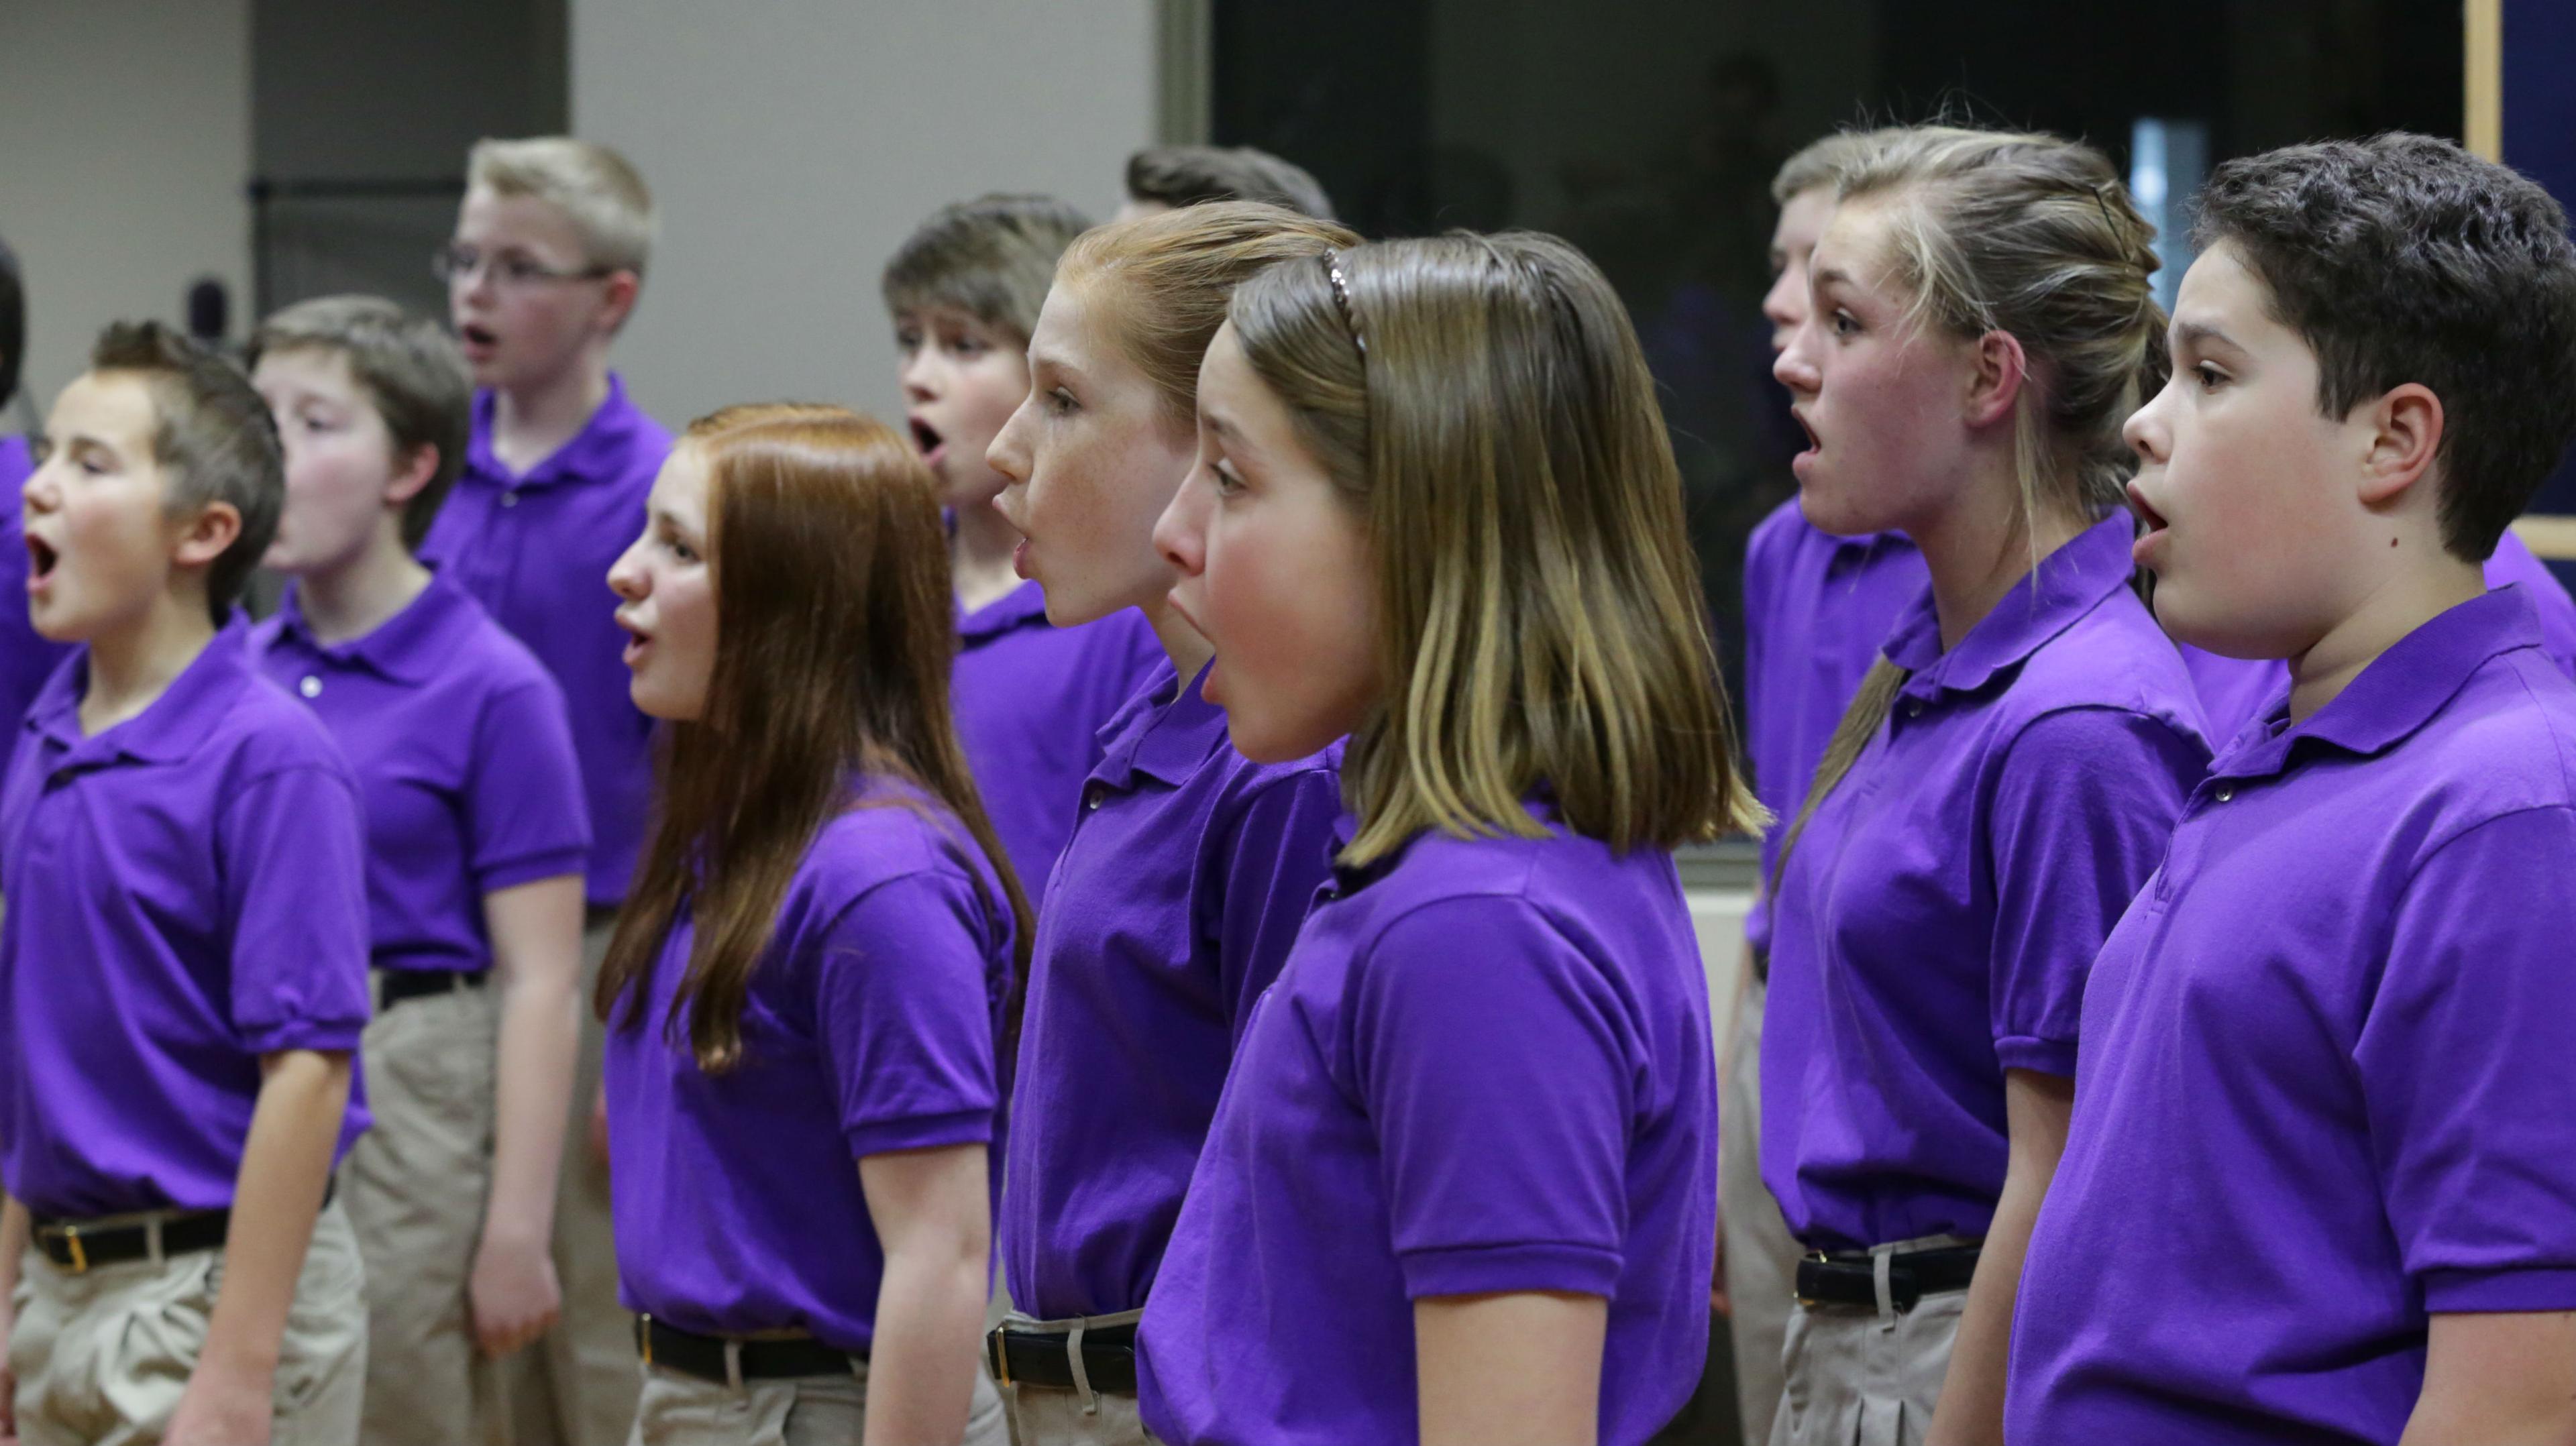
2401, 689
1020, 606
405, 648
1173, 743
2067, 584
593, 455
172, 728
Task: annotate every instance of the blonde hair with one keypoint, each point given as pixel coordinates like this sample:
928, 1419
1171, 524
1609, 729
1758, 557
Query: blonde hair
1165, 280
595, 187
2032, 235
1540, 607
1821, 162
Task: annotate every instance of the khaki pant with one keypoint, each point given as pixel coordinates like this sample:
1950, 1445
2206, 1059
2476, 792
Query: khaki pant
1859, 1377
681, 1410
1761, 1254
576, 1386
1044, 1416
416, 1185
103, 1356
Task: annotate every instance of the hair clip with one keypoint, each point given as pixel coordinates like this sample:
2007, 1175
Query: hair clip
2102, 198
1342, 299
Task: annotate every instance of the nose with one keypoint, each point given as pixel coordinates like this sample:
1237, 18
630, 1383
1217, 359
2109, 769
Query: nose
1785, 305
1180, 534
626, 576
2145, 431
1795, 367
914, 374
1009, 454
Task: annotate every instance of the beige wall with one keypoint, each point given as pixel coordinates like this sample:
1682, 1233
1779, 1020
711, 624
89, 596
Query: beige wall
791, 144
124, 149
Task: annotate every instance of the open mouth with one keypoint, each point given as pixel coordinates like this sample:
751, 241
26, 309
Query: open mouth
925, 438
41, 558
477, 336
2148, 516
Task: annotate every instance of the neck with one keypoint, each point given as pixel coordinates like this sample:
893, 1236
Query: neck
2398, 605
355, 598
1979, 549
1186, 646
979, 557
530, 424
131, 667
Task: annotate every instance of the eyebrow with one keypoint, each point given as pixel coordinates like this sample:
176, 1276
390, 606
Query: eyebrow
2201, 333
1829, 276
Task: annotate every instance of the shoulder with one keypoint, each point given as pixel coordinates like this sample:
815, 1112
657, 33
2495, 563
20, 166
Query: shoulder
263, 733
2111, 661
494, 664
2504, 743
881, 841
1575, 888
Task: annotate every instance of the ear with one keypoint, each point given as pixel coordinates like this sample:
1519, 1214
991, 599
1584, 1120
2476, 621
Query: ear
2401, 431
204, 537
620, 291
1998, 372
416, 471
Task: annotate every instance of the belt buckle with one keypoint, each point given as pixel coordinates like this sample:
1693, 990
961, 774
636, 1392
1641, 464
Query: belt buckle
644, 1336
80, 1253
1820, 1258
998, 1346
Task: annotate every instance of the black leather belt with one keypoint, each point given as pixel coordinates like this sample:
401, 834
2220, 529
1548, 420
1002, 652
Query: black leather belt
1040, 1358
664, 1344
1850, 1277
78, 1246
393, 986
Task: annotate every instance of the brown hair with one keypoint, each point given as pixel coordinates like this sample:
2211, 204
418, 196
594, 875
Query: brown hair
835, 638
213, 438
1173, 273
1190, 175
1539, 605
412, 375
1822, 162
2032, 235
991, 258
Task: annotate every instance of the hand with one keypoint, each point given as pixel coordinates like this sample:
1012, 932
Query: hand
223, 1408
512, 1294
1717, 1298
598, 1139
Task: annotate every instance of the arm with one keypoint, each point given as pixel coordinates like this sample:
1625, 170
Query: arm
2505, 1379
17, 1228
932, 1219
536, 954
1971, 1410
303, 1096
1519, 1369
1717, 1297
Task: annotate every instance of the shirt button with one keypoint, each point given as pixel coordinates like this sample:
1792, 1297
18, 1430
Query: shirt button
1092, 795
310, 687
2223, 792
1914, 709
509, 499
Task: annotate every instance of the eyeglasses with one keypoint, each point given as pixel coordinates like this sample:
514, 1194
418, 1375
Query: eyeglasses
458, 262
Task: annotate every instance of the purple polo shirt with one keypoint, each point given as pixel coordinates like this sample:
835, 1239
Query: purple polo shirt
463, 759
2326, 1089
186, 893
1173, 907
1934, 925
535, 551
1816, 608
1486, 1067
1030, 702
869, 1029
2236, 691
27, 657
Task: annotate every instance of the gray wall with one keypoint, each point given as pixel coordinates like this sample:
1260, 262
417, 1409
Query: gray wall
791, 144
124, 142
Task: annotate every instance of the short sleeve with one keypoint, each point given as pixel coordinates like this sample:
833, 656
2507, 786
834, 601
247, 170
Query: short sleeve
1500, 1069
2464, 1059
2084, 805
525, 816
293, 855
1277, 854
903, 1016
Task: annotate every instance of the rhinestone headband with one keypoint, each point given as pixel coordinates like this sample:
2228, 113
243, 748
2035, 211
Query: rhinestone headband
1342, 299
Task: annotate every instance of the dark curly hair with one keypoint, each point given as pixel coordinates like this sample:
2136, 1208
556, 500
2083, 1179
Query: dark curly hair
2403, 258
